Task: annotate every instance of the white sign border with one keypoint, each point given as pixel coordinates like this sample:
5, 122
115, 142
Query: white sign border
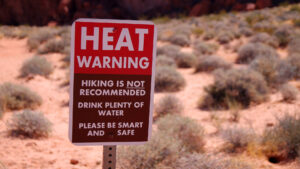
72, 80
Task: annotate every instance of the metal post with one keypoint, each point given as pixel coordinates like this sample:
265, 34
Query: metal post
109, 157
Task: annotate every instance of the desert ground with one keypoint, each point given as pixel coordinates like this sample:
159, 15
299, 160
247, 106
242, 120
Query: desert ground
57, 152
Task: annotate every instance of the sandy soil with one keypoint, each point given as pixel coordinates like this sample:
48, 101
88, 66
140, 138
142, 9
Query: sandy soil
56, 151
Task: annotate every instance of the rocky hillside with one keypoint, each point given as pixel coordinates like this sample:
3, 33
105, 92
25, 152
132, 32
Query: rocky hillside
43, 12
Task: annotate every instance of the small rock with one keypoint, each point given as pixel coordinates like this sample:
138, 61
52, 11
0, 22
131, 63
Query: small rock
74, 161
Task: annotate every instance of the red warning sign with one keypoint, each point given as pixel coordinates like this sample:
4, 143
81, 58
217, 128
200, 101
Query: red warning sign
112, 81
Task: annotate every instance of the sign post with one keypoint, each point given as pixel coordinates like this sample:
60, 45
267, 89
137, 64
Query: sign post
112, 83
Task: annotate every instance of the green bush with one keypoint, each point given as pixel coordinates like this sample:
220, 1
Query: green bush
29, 124
36, 66
211, 63
186, 60
234, 86
160, 149
169, 104
265, 39
167, 79
203, 161
52, 46
289, 93
275, 71
186, 130
250, 51
237, 139
163, 60
15, 97
283, 140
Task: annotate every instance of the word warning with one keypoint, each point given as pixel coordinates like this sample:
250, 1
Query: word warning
112, 81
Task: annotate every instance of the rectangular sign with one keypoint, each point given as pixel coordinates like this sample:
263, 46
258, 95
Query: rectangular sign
112, 81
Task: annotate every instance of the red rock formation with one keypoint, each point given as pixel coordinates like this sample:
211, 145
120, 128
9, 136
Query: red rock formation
201, 8
263, 3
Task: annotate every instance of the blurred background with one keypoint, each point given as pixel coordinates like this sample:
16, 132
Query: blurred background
43, 12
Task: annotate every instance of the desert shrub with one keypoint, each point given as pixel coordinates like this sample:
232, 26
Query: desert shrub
296, 22
186, 60
40, 36
67, 58
165, 34
160, 149
167, 79
180, 39
289, 93
237, 139
169, 51
254, 17
183, 28
210, 63
20, 32
162, 19
293, 46
204, 161
274, 70
52, 46
234, 86
169, 104
15, 97
209, 35
266, 39
225, 37
284, 35
197, 31
29, 124
264, 26
294, 62
295, 8
2, 104
283, 140
163, 60
246, 31
250, 51
184, 129
36, 66
202, 48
